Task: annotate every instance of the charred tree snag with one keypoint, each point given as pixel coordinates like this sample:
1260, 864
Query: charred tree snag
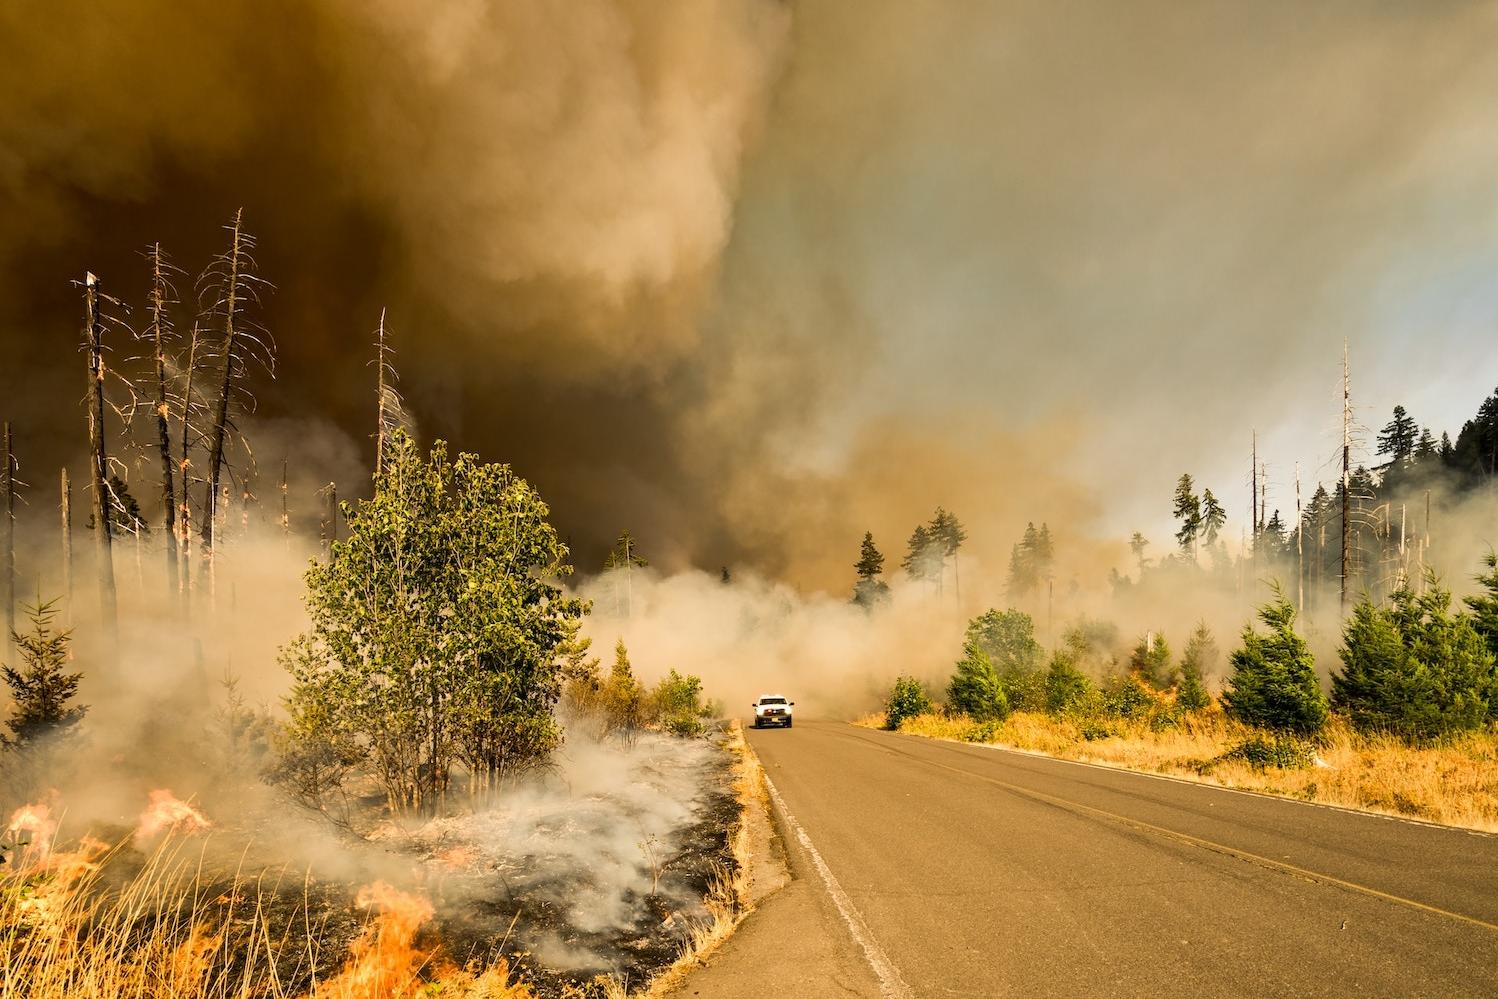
93, 330
67, 542
159, 331
8, 533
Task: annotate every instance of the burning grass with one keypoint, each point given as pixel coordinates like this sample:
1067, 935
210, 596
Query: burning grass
94, 921
589, 884
1455, 783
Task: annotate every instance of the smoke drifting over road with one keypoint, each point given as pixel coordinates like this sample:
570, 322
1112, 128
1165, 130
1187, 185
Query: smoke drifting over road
750, 277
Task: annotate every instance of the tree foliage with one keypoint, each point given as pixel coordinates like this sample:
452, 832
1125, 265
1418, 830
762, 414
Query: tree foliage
1197, 663
438, 630
975, 688
870, 590
1188, 510
1150, 661
41, 687
1415, 669
1273, 683
907, 699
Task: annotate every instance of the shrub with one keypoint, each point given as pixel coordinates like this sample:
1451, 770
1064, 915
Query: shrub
906, 700
985, 731
975, 688
676, 704
1066, 687
1126, 697
1095, 730
1260, 752
1274, 683
1414, 669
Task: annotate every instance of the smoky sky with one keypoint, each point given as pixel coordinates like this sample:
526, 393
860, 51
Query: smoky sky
751, 277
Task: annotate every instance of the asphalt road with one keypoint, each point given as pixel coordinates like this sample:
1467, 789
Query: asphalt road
937, 869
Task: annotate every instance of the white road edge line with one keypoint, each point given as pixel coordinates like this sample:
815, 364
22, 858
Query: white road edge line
891, 985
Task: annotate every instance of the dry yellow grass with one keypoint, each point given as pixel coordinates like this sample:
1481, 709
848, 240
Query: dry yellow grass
1455, 783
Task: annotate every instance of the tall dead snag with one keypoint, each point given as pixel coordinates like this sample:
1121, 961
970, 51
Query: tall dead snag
391, 412
1346, 475
8, 533
159, 334
231, 286
93, 331
185, 432
67, 542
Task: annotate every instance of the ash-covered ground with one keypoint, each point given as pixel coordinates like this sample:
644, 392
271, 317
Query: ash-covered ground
598, 869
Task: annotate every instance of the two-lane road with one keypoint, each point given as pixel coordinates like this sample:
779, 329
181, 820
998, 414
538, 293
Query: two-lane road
960, 870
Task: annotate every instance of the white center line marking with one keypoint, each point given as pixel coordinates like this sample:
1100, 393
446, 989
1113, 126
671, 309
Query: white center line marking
891, 985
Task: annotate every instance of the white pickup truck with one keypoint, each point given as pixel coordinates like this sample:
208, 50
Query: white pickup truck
772, 709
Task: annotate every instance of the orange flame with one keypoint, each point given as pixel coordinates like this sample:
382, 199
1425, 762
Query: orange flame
384, 961
167, 812
33, 823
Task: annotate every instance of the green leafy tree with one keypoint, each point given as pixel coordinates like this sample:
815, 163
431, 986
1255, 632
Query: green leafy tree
1030, 561
1414, 668
41, 687
1008, 640
870, 590
907, 699
676, 704
1273, 683
1188, 510
1151, 663
438, 630
975, 688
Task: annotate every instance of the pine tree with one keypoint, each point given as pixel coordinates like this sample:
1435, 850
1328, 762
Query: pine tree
1150, 661
1426, 448
625, 554
1273, 684
1213, 517
1137, 544
975, 688
922, 560
1188, 510
870, 590
1399, 437
41, 689
1414, 668
1484, 606
1199, 661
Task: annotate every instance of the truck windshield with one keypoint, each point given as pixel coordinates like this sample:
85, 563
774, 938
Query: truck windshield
772, 700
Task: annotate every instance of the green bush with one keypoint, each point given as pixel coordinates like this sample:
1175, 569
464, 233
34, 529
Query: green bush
1414, 669
1066, 687
1201, 658
1274, 683
983, 731
1126, 697
1092, 731
907, 699
676, 704
1260, 752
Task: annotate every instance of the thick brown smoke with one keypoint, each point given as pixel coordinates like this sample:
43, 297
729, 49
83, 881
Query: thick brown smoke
750, 277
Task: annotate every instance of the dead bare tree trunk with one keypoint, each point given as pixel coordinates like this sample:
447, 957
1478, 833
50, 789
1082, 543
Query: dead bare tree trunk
231, 307
184, 466
1346, 474
159, 298
285, 509
67, 542
99, 458
8, 535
